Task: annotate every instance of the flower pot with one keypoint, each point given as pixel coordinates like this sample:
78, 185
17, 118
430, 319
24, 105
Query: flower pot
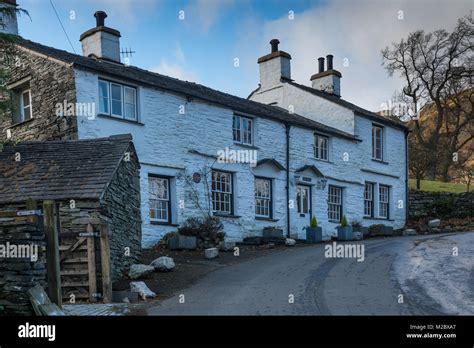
344, 233
314, 234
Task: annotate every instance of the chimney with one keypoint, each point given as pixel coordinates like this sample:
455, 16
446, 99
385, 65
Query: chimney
8, 23
328, 81
101, 42
274, 66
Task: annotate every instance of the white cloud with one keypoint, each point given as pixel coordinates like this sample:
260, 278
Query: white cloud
205, 13
128, 11
356, 30
177, 68
174, 70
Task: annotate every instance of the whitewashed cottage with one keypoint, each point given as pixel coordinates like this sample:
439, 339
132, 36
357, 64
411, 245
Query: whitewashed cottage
306, 150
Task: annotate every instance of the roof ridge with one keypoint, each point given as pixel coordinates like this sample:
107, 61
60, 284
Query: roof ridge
117, 138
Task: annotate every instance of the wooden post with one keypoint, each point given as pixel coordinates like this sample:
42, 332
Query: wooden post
52, 252
91, 264
105, 261
32, 205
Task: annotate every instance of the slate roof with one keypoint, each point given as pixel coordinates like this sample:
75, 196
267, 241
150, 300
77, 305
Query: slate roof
191, 89
72, 169
392, 121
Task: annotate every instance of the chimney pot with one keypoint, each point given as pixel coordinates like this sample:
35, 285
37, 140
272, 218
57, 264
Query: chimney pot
321, 64
329, 61
274, 43
100, 17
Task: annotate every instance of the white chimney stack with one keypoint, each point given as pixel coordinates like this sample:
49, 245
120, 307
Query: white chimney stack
328, 81
101, 42
8, 23
274, 66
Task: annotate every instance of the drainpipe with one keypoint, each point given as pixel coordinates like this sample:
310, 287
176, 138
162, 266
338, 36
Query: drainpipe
287, 126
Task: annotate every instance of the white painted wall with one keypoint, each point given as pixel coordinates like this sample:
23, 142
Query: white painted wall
164, 137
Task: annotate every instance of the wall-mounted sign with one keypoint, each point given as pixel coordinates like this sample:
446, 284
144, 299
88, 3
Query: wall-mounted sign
197, 177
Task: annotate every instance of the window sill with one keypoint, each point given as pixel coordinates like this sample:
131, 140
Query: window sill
379, 161
227, 216
120, 119
163, 223
262, 218
377, 218
334, 221
322, 160
253, 147
22, 123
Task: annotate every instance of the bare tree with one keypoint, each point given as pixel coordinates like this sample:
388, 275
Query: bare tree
437, 69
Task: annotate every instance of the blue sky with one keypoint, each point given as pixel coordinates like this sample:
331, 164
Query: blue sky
204, 45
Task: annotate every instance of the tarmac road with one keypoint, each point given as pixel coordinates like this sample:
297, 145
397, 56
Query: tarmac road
317, 285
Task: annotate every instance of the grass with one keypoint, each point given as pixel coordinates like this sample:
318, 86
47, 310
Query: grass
438, 186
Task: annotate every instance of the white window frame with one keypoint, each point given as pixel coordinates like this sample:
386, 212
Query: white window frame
160, 200
263, 202
319, 152
222, 192
335, 203
376, 128
384, 202
23, 107
300, 199
122, 100
369, 199
239, 137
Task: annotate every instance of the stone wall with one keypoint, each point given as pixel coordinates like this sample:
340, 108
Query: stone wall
51, 82
17, 274
440, 204
121, 205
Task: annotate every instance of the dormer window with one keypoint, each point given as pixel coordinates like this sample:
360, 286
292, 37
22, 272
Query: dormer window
321, 147
242, 130
117, 100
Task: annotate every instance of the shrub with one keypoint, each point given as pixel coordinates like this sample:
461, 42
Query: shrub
313, 223
356, 224
344, 221
209, 231
376, 229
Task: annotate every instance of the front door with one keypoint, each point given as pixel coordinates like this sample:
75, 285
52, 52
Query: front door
303, 206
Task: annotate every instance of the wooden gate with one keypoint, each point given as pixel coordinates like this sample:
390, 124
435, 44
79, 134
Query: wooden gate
84, 264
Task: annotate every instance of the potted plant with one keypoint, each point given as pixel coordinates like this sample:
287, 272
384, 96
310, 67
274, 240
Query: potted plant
314, 233
344, 231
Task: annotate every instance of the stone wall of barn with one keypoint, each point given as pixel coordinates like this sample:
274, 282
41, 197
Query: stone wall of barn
121, 206
19, 274
51, 83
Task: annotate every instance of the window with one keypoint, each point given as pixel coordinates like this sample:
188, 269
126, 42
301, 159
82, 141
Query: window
303, 199
242, 130
377, 143
263, 197
25, 105
159, 191
320, 147
222, 192
369, 199
117, 100
384, 202
335, 203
